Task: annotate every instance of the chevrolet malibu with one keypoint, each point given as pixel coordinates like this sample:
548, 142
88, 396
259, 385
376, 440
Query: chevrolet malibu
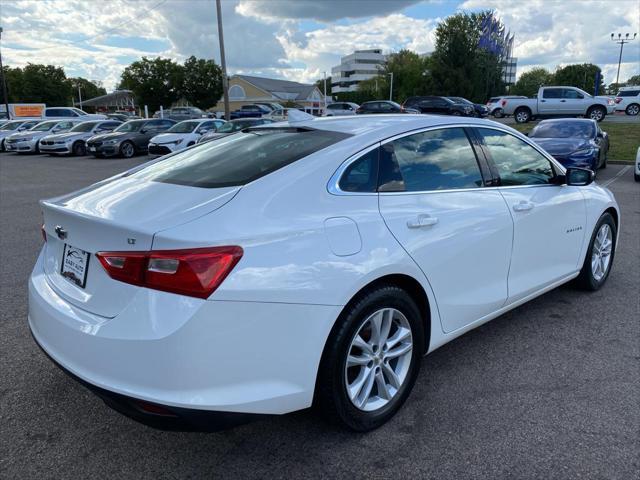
308, 263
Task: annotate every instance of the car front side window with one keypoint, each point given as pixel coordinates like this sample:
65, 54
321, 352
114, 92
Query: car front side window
440, 159
518, 163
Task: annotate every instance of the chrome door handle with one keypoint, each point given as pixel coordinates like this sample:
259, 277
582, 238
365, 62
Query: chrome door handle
523, 206
422, 221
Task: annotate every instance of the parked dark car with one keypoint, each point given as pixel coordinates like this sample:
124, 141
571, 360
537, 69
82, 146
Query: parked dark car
250, 111
480, 110
379, 106
123, 117
439, 105
129, 138
574, 142
233, 126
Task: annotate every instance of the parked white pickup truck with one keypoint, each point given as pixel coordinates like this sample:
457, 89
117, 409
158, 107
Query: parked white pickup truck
559, 102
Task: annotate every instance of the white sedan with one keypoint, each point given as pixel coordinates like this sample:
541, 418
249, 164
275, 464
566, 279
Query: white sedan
313, 262
182, 135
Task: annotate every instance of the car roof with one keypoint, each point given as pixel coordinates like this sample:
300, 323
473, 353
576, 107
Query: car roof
391, 124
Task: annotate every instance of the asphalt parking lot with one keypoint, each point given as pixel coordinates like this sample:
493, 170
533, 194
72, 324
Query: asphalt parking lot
549, 390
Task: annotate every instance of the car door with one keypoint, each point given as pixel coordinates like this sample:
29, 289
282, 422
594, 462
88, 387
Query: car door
433, 199
573, 102
552, 101
549, 219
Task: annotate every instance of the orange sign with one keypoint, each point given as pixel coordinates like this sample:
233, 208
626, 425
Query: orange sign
28, 110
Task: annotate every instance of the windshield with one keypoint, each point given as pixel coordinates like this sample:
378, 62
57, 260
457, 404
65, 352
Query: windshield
131, 126
11, 125
84, 127
183, 127
44, 126
78, 111
240, 158
563, 130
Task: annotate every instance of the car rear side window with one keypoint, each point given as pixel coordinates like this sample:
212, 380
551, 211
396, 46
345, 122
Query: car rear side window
240, 158
552, 93
518, 163
361, 176
435, 160
629, 93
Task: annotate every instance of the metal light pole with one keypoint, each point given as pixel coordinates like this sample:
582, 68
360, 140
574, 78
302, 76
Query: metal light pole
391, 86
223, 63
4, 84
325, 91
621, 40
79, 97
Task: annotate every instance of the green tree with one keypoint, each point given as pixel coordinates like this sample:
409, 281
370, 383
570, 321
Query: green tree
411, 75
635, 80
154, 82
89, 89
38, 83
201, 82
529, 82
582, 76
458, 66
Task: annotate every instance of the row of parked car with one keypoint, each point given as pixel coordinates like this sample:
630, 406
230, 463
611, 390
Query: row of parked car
108, 138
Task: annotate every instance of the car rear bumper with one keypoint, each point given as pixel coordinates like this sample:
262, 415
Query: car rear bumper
184, 353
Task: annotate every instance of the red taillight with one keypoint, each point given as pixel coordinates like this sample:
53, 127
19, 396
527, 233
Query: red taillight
503, 103
196, 272
618, 99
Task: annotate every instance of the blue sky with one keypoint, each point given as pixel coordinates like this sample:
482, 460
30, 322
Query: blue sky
299, 40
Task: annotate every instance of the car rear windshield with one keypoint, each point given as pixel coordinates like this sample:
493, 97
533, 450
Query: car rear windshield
240, 158
629, 93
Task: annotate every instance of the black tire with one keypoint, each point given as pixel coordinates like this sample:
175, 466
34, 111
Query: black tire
498, 113
586, 278
37, 149
522, 115
604, 160
632, 109
79, 149
597, 113
127, 149
636, 177
331, 387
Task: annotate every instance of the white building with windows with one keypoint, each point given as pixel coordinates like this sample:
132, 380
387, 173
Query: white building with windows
356, 67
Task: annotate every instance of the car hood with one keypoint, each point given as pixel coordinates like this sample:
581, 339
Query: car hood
168, 137
67, 135
112, 136
562, 146
29, 134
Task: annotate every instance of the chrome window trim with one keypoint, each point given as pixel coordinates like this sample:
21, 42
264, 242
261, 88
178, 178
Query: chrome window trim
334, 181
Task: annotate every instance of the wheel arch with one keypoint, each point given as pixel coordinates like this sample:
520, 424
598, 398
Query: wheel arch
407, 283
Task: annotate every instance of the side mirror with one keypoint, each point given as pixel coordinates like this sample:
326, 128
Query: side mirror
579, 176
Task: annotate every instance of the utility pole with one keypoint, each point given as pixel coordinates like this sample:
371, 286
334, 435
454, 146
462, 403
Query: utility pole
621, 40
79, 97
223, 63
391, 86
4, 84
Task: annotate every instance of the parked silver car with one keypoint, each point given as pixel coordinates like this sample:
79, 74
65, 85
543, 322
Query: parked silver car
340, 109
15, 126
74, 141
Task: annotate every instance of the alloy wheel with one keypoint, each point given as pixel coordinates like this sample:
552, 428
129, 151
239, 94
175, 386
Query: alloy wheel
633, 110
601, 252
596, 114
379, 359
127, 150
522, 117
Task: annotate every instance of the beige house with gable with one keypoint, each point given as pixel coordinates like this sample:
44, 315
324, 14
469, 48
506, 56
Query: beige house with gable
246, 89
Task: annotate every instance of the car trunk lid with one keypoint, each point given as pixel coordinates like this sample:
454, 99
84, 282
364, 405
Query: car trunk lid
119, 215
